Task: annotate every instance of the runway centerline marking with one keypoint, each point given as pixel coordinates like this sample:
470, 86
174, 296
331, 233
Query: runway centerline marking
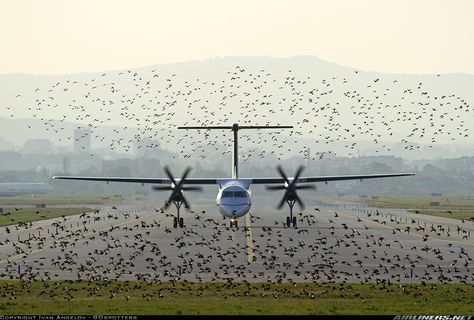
248, 235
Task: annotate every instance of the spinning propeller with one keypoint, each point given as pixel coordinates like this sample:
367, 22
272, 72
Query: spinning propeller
176, 189
290, 188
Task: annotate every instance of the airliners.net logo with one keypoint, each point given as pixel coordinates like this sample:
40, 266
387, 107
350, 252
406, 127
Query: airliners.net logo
433, 318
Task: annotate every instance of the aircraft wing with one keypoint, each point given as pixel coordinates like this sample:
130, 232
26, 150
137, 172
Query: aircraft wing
211, 181
330, 178
139, 180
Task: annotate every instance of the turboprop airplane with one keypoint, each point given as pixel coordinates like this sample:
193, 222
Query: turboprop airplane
234, 195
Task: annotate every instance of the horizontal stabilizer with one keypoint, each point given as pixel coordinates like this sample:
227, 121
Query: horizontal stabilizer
234, 127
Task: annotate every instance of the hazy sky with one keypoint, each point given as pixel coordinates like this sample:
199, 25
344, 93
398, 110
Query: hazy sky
61, 36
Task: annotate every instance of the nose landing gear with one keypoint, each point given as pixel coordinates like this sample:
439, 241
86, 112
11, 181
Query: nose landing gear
233, 223
291, 220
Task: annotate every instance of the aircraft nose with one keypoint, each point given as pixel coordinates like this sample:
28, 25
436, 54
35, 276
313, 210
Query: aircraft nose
236, 211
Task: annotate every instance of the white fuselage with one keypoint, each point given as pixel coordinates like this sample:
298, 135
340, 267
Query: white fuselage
233, 198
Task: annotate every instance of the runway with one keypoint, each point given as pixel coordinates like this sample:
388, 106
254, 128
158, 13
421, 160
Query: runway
337, 243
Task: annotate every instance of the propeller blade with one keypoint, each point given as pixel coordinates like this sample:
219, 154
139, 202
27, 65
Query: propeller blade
162, 188
169, 201
185, 174
300, 203
282, 202
297, 175
275, 187
191, 188
186, 203
183, 178
282, 173
170, 175
308, 186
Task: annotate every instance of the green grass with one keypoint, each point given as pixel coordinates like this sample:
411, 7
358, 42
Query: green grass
120, 297
60, 199
449, 206
12, 216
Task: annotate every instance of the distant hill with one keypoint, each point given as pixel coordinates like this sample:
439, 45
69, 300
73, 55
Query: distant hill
319, 98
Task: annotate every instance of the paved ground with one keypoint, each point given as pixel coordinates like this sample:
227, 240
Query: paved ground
337, 242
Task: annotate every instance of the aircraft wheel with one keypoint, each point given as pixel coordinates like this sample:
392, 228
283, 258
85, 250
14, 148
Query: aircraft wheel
233, 223
181, 222
288, 222
294, 222
175, 222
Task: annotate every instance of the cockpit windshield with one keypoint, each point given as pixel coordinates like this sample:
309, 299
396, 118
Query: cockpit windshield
234, 194
227, 194
239, 194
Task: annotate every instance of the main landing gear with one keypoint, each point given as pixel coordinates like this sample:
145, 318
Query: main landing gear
291, 220
177, 221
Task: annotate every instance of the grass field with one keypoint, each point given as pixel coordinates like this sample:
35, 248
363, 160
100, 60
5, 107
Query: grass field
21, 215
449, 206
68, 297
13, 215
60, 199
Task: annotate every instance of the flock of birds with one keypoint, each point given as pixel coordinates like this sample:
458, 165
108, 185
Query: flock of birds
150, 104
329, 246
122, 244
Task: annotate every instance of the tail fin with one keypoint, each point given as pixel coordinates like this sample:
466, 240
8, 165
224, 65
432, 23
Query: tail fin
235, 128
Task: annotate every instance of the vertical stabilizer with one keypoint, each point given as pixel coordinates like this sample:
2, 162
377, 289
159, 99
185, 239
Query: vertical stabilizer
235, 129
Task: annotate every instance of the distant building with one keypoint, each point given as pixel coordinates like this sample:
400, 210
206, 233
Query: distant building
147, 148
149, 167
38, 146
119, 167
66, 164
374, 164
459, 165
82, 140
